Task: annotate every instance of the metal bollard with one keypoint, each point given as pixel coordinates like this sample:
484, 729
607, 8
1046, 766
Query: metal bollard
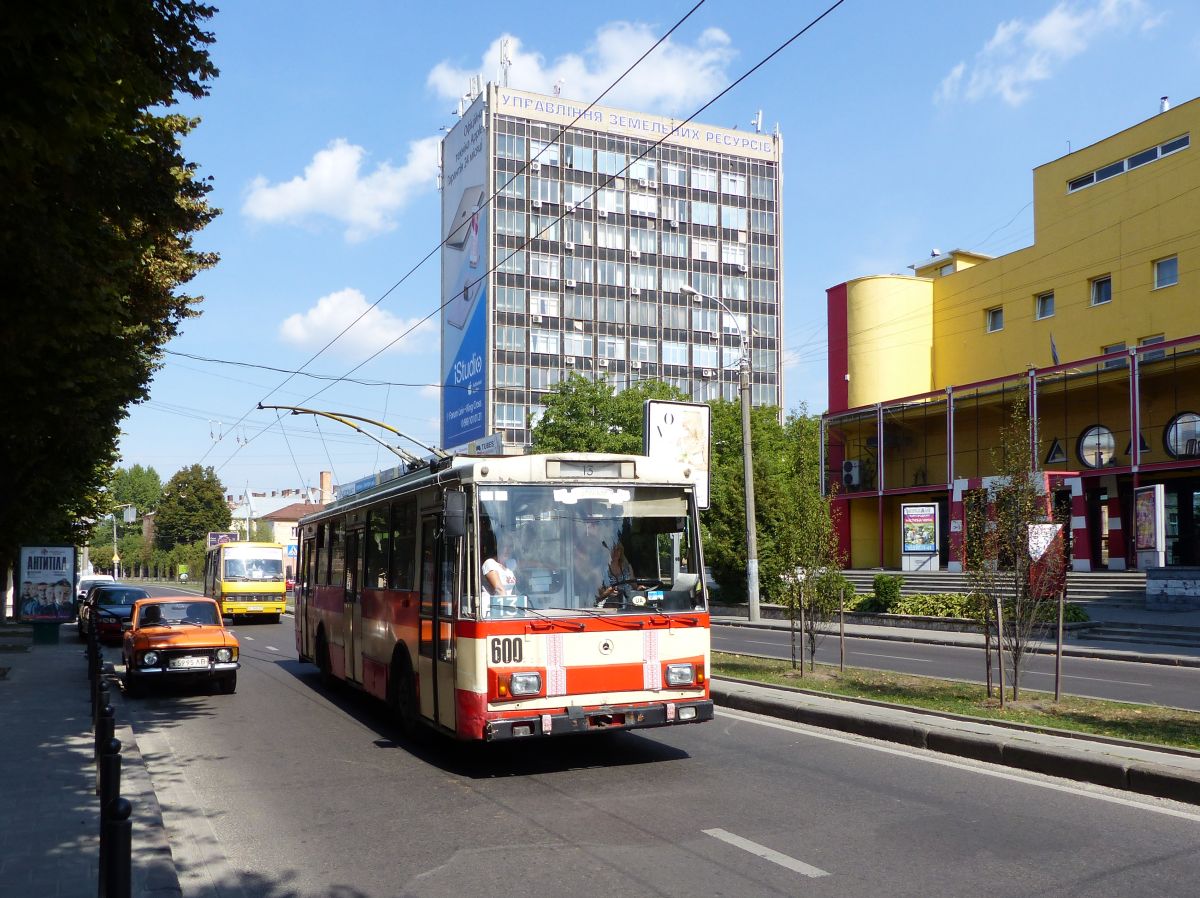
101, 699
105, 727
110, 791
117, 876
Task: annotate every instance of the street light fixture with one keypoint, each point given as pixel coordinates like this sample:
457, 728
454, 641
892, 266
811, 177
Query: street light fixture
117, 557
747, 454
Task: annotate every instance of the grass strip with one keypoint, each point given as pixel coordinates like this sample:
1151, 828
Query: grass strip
1153, 724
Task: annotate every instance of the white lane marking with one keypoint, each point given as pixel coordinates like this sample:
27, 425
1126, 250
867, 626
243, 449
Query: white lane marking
248, 638
272, 648
893, 657
774, 645
767, 854
1080, 789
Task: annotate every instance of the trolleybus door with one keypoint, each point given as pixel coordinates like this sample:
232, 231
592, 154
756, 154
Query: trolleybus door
352, 607
435, 665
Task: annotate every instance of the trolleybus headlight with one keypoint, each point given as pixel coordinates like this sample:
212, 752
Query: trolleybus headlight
149, 659
681, 674
224, 656
526, 683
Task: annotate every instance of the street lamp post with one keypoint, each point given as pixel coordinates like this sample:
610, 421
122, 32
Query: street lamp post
116, 556
747, 452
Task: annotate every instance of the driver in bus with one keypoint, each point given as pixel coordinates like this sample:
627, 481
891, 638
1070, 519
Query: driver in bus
618, 575
498, 577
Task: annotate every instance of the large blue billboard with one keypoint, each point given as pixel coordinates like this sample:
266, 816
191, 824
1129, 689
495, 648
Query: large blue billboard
465, 280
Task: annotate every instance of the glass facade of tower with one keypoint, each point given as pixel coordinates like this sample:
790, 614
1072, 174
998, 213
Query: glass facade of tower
586, 274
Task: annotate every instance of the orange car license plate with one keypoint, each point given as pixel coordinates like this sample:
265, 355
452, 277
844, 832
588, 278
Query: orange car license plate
189, 662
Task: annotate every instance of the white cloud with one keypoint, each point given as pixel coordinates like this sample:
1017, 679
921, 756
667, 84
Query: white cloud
1020, 54
676, 77
334, 186
326, 319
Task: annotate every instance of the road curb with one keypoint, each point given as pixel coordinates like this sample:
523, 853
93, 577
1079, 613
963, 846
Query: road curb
1068, 652
1009, 749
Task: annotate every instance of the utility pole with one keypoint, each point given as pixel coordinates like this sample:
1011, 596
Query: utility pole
744, 369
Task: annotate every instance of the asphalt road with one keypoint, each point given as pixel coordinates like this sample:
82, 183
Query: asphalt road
1177, 687
285, 789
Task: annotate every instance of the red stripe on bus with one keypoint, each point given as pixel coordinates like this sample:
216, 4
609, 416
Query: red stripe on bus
471, 629
471, 714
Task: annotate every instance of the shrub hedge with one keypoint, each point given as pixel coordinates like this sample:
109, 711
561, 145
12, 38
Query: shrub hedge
949, 604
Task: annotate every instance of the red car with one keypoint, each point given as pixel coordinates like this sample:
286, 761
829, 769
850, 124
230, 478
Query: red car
107, 609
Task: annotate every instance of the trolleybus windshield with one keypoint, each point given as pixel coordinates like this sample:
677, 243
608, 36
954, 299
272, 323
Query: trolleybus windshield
606, 549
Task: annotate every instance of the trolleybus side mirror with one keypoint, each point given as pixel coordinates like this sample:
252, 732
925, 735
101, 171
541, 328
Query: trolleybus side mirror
454, 513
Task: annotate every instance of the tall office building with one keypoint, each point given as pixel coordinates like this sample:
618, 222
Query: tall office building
580, 260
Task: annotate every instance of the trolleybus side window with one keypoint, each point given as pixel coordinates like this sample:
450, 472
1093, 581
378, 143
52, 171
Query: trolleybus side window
404, 545
321, 575
337, 553
379, 541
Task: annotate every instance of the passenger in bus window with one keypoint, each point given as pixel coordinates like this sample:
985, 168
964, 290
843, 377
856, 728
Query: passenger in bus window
498, 578
618, 576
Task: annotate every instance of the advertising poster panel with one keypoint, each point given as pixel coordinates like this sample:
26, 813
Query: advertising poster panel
215, 538
1150, 526
46, 591
919, 529
464, 279
1047, 560
679, 431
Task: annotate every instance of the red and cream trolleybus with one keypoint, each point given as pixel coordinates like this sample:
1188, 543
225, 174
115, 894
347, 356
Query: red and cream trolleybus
501, 597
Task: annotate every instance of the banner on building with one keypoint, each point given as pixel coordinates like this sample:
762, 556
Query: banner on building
46, 591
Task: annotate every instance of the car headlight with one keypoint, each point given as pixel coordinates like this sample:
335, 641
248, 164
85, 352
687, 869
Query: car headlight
681, 674
149, 659
224, 656
525, 684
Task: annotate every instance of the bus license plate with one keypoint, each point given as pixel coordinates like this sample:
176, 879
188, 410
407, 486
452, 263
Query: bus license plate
255, 607
189, 662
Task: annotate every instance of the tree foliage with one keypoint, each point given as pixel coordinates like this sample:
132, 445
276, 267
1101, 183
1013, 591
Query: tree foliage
582, 416
99, 210
137, 486
192, 505
1010, 590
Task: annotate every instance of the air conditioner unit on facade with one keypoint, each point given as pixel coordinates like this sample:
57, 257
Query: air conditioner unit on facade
569, 247
636, 366
604, 363
642, 182
536, 204
570, 207
537, 319
742, 268
654, 185
708, 372
579, 325
851, 474
635, 254
602, 213
535, 166
569, 360
635, 291
674, 222
570, 283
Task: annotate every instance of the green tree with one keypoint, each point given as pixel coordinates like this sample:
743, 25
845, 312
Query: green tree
582, 416
1007, 587
724, 522
136, 486
99, 210
192, 505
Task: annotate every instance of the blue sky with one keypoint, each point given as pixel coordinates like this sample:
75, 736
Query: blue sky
906, 126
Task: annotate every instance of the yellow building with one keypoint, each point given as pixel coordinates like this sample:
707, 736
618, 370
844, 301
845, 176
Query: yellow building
1097, 321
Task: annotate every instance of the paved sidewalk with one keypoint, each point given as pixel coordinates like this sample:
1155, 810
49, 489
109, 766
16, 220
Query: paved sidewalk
1119, 765
50, 815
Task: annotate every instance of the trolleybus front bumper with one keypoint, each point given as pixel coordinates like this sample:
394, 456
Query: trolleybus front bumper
595, 720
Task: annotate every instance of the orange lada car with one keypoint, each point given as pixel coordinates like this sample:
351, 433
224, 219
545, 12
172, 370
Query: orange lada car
178, 638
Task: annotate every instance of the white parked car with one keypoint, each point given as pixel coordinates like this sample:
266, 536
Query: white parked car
85, 584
